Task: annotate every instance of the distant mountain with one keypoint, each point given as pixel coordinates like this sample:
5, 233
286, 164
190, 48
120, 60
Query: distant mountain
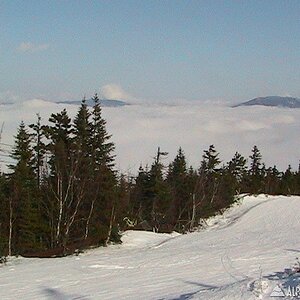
103, 102
276, 101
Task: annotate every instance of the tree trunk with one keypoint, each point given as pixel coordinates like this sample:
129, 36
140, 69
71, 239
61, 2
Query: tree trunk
112, 218
10, 227
193, 213
88, 220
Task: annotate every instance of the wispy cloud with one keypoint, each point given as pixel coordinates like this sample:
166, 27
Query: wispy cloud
31, 47
114, 91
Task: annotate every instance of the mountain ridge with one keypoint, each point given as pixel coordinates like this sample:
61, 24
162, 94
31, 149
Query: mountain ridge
103, 102
272, 101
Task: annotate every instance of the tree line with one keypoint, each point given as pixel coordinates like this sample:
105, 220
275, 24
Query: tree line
64, 193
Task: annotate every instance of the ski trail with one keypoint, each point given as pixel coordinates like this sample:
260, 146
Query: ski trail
235, 219
230, 223
164, 242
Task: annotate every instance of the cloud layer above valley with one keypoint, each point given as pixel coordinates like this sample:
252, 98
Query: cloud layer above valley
139, 129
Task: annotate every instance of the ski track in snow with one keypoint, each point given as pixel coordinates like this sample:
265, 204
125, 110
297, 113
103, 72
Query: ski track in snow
241, 254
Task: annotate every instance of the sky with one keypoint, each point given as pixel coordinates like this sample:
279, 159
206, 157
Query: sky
149, 50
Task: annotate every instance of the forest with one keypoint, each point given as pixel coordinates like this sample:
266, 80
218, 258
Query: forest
63, 193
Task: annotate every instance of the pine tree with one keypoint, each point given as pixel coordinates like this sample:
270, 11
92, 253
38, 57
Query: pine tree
101, 146
150, 198
255, 176
237, 167
211, 161
140, 199
178, 167
159, 192
236, 171
124, 188
102, 217
24, 237
208, 181
181, 191
84, 181
272, 181
39, 149
288, 182
255, 166
82, 130
61, 177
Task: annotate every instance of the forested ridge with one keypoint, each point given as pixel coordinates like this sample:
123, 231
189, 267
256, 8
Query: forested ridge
63, 193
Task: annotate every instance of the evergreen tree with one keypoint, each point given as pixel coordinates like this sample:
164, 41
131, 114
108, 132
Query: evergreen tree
150, 199
60, 182
82, 130
210, 161
103, 212
84, 181
272, 181
237, 167
140, 200
159, 192
256, 172
233, 175
178, 167
181, 191
24, 238
208, 182
288, 182
124, 188
101, 146
39, 149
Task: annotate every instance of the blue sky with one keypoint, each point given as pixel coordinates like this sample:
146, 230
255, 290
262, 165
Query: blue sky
194, 50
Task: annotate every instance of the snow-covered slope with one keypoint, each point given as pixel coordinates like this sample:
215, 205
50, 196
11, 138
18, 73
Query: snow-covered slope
240, 255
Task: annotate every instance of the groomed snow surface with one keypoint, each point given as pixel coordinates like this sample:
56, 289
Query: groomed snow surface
247, 253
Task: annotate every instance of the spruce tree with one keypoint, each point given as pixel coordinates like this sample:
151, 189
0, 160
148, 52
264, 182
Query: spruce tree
159, 192
272, 181
236, 169
140, 197
102, 148
60, 181
82, 130
39, 149
102, 219
210, 161
181, 191
255, 174
288, 182
84, 178
207, 187
24, 204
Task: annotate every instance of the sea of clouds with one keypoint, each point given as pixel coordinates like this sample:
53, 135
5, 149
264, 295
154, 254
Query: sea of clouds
137, 130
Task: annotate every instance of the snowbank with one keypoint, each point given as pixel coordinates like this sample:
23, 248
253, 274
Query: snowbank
245, 254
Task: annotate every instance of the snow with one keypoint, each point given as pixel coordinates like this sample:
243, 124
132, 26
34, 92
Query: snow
247, 253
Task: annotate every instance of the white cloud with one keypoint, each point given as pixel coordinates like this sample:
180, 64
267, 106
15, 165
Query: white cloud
31, 47
139, 129
114, 92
